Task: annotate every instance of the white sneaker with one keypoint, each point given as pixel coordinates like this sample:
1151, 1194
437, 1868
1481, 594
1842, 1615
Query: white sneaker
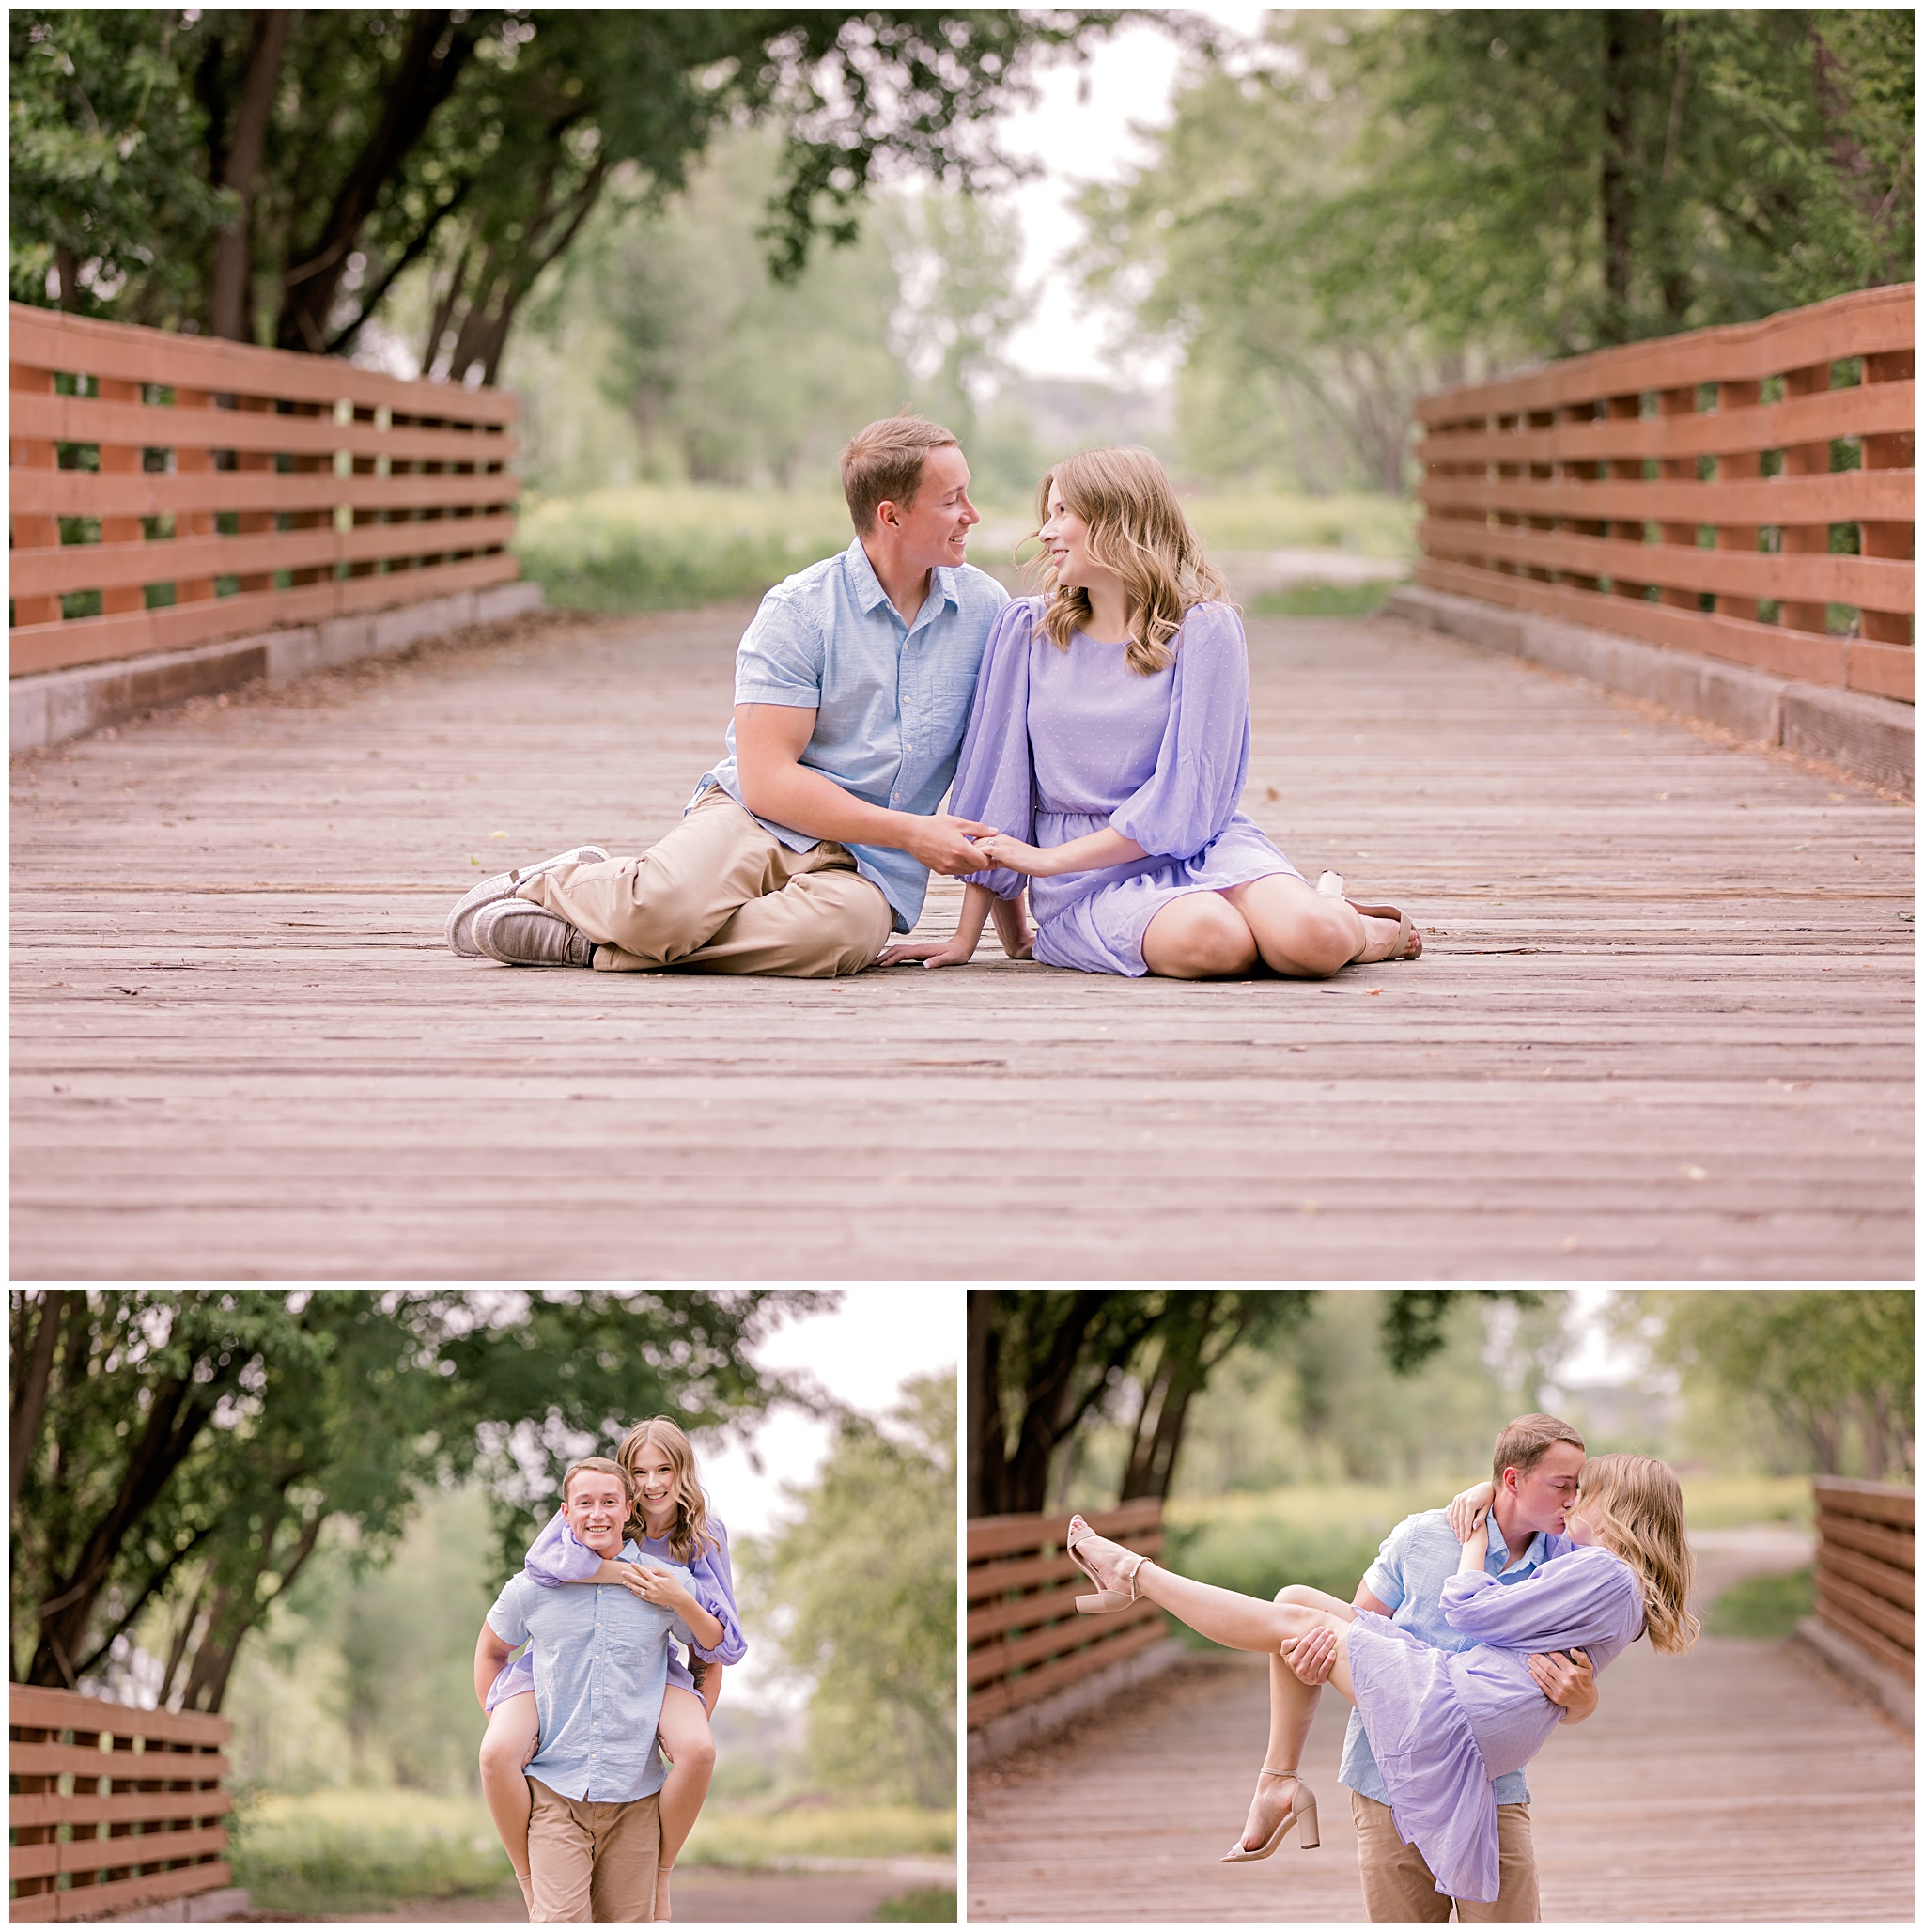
520, 934
460, 938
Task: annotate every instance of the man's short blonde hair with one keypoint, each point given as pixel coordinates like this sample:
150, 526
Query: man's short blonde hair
1526, 1441
600, 1466
884, 462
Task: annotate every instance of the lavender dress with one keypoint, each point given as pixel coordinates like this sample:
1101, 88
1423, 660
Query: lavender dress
556, 1557
1063, 743
1443, 1723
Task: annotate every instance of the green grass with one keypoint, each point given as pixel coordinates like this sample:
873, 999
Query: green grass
347, 1851
1728, 1502
1763, 1606
746, 1838
927, 1905
1367, 525
1322, 599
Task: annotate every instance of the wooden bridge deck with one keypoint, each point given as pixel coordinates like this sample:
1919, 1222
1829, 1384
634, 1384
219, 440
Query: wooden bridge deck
1662, 1029
1738, 1782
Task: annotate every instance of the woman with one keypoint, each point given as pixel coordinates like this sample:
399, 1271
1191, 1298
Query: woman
1109, 743
670, 1523
1443, 1725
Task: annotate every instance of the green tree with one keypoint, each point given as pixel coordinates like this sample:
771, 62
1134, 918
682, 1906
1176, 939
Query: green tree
862, 1585
353, 145
187, 1448
1834, 1369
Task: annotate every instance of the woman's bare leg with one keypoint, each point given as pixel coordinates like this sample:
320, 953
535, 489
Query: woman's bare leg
691, 1744
1292, 1712
1199, 936
1305, 934
513, 1731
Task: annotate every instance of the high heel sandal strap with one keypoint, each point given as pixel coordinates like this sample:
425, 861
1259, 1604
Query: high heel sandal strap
1268, 1771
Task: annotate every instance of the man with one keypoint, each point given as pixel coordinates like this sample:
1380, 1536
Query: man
600, 1659
1535, 1467
813, 837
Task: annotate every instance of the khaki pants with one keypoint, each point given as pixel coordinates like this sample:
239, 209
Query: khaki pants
592, 1862
719, 894
1400, 1889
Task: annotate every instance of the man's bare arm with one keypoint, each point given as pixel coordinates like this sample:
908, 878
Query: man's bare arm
491, 1657
770, 740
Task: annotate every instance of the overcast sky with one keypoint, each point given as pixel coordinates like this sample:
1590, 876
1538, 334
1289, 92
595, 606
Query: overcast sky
1080, 140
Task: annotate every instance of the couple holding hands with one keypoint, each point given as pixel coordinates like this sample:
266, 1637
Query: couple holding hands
1096, 736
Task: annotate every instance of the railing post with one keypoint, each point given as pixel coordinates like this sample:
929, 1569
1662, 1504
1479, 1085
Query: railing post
1627, 409
120, 459
1740, 465
35, 532
1881, 539
1805, 538
192, 463
1671, 469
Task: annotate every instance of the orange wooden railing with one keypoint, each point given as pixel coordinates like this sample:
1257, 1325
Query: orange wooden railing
1867, 1567
237, 489
1025, 1639
1668, 488
112, 1807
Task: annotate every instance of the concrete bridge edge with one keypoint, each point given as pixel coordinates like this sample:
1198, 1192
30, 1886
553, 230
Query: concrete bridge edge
1871, 738
50, 706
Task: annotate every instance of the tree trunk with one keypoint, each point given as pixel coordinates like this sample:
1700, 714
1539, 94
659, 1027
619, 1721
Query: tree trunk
1618, 164
30, 1390
177, 1650
236, 1613
233, 273
985, 1441
437, 50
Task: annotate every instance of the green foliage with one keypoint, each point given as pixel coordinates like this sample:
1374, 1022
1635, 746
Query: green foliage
1367, 525
862, 1586
745, 1838
360, 1851
1832, 1370
1323, 600
1763, 1606
1734, 1502
926, 1905
654, 548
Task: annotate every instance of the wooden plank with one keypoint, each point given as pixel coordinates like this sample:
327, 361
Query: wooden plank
66, 1710
1839, 1588
1865, 323
49, 339
1847, 496
156, 425
27, 1810
162, 493
1642, 944
1883, 409
114, 1854
1071, 1633
1877, 1503
1883, 1580
1882, 670
1883, 583
1023, 1572
1895, 1545
1000, 1535
1901, 1658
1015, 1694
35, 1760
122, 1894
1788, 653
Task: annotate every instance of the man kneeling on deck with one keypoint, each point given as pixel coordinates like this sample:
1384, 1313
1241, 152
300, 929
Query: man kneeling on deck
813, 837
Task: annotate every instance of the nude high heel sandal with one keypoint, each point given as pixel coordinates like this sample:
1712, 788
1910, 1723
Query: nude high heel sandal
1409, 942
1302, 1805
1105, 1598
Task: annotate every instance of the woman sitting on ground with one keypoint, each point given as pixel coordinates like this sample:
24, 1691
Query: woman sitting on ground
1444, 1724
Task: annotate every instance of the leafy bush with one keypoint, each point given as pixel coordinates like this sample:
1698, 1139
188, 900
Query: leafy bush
1763, 1606
926, 1905
1322, 599
1367, 525
744, 1839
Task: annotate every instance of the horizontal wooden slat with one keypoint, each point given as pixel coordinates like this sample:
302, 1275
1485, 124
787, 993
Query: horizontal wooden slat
1005, 1654
174, 493
1878, 584
1886, 1580
150, 426
1871, 409
1024, 1572
1895, 1545
1866, 322
66, 1710
100, 640
1024, 1612
1899, 1625
1880, 1503
109, 1854
77, 345
1850, 496
101, 566
26, 1810
89, 1901
1002, 1535
1015, 1694
1796, 654
1894, 1657
1882, 670
86, 1761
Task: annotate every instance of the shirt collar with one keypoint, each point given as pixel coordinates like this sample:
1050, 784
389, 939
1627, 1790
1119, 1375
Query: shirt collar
1500, 1548
867, 586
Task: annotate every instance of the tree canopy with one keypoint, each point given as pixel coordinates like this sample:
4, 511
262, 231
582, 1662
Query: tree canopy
187, 1447
1375, 203
269, 176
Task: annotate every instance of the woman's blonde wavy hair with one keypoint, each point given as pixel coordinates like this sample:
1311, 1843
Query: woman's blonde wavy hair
1137, 528
690, 1534
1634, 1504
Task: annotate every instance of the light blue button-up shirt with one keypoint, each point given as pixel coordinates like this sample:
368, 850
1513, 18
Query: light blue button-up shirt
1416, 1558
890, 698
601, 1656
